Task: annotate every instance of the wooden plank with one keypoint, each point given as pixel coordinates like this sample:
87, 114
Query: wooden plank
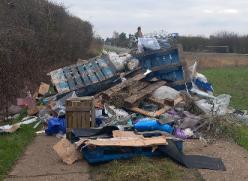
109, 92
142, 93
43, 89
156, 101
150, 114
106, 68
97, 71
172, 102
91, 74
165, 67
137, 141
79, 122
87, 119
67, 72
78, 109
84, 75
119, 133
140, 86
71, 83
74, 124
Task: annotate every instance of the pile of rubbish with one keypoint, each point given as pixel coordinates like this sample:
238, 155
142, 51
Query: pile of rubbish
117, 106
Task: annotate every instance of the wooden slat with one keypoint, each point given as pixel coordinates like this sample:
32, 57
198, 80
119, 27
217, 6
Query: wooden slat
84, 75
150, 114
98, 72
137, 141
80, 112
78, 109
142, 93
140, 86
91, 74
165, 67
109, 92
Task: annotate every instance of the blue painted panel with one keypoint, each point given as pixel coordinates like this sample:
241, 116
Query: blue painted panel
105, 68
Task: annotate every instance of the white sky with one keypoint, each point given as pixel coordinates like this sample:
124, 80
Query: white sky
187, 17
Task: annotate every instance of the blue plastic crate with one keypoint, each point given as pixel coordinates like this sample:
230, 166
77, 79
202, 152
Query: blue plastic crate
165, 64
158, 58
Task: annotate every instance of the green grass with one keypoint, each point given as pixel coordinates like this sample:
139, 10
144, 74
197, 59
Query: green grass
233, 81
143, 169
12, 146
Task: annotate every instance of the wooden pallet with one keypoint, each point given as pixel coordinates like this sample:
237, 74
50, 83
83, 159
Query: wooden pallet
80, 113
83, 75
113, 90
134, 99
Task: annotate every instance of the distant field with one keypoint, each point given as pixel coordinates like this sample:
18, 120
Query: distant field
233, 81
216, 60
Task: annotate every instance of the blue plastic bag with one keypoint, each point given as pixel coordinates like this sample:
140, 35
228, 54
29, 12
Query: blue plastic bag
56, 125
148, 124
206, 86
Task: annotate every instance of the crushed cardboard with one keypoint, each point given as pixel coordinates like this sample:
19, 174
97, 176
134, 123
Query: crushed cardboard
67, 151
44, 88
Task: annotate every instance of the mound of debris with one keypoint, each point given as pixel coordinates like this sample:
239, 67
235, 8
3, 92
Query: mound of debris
117, 106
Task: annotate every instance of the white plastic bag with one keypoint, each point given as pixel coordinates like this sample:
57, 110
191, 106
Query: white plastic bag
118, 62
219, 105
132, 64
148, 43
165, 92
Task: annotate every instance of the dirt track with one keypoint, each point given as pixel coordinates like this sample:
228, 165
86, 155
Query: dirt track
234, 157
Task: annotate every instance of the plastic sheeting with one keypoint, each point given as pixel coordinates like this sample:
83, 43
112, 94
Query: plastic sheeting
148, 44
173, 150
148, 124
218, 106
165, 92
56, 125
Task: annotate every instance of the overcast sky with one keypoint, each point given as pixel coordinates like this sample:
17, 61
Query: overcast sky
187, 17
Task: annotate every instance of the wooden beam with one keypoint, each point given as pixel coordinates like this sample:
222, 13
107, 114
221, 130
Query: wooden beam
109, 92
130, 101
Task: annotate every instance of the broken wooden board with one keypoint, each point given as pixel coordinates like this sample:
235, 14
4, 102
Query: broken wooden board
150, 114
43, 89
174, 102
137, 141
109, 92
67, 151
130, 101
119, 133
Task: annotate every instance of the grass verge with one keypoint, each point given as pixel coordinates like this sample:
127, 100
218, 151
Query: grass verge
233, 81
142, 168
12, 146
